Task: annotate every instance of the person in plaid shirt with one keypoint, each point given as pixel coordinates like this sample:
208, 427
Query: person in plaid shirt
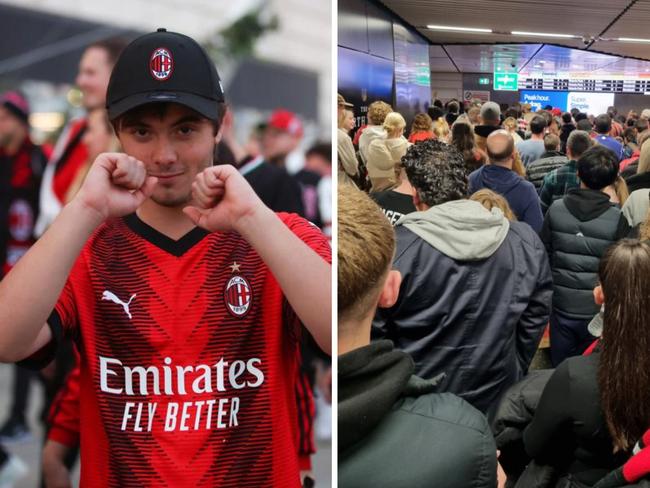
559, 181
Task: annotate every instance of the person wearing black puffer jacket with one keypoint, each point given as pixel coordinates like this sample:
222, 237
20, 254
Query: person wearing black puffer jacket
577, 230
395, 430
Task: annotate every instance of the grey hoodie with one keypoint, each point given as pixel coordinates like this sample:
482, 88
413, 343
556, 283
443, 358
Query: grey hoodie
462, 229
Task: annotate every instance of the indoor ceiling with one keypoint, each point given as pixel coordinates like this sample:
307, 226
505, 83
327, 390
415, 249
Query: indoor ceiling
597, 25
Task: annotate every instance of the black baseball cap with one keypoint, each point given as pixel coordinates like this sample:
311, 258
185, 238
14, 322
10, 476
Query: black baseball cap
164, 67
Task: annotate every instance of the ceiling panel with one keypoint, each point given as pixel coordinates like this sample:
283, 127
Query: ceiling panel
589, 20
439, 61
487, 58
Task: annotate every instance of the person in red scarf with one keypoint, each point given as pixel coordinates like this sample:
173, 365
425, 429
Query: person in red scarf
21, 167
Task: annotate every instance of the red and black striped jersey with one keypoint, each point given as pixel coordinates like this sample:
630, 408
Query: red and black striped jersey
188, 359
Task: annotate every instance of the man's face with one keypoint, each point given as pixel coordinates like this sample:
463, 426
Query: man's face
10, 127
94, 74
175, 148
278, 143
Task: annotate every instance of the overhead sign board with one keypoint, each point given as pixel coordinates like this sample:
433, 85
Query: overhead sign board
506, 81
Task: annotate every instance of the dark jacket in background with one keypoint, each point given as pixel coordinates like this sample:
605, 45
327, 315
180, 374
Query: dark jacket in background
638, 181
568, 430
395, 432
515, 411
577, 231
565, 131
274, 185
474, 300
521, 194
537, 170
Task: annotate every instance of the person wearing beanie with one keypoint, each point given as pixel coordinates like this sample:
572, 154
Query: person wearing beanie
21, 168
184, 291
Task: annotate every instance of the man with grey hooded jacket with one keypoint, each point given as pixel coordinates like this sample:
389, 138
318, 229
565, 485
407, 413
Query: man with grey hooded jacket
476, 289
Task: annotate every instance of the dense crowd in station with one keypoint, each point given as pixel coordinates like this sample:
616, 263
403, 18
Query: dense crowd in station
494, 269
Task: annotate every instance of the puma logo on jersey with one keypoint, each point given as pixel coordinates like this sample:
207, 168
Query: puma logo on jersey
107, 295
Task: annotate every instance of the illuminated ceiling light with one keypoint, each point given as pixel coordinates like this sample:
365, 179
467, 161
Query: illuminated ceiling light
459, 29
542, 34
632, 39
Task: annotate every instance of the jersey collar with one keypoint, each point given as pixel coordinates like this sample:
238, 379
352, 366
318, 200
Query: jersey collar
160, 240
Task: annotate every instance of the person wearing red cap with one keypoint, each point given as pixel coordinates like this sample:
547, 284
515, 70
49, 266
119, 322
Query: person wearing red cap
21, 167
267, 174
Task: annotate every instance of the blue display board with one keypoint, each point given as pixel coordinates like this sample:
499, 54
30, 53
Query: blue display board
540, 99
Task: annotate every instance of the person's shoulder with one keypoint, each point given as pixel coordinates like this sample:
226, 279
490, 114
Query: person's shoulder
447, 408
523, 233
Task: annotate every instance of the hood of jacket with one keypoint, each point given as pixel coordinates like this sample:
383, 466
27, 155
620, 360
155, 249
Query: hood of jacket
462, 229
371, 380
485, 130
586, 204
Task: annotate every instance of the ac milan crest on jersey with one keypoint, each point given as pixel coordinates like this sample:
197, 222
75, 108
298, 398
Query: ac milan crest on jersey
238, 296
161, 64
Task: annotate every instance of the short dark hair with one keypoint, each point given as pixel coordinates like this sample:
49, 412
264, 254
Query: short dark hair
159, 109
585, 124
113, 47
322, 149
578, 142
566, 117
574, 111
453, 107
598, 167
580, 116
551, 142
437, 172
437, 103
603, 124
537, 124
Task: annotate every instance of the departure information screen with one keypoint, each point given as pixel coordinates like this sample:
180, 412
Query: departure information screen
586, 85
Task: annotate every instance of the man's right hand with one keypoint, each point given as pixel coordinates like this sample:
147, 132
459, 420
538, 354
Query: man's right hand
116, 185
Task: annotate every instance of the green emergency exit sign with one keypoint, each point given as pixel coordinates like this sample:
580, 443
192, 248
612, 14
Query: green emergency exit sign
506, 81
484, 81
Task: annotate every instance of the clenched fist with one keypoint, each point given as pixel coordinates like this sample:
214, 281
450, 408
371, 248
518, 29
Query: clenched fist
116, 185
221, 199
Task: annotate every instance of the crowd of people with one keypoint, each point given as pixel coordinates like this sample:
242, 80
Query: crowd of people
462, 240
37, 184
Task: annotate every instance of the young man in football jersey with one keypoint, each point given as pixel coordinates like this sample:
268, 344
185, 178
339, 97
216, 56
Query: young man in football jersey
183, 291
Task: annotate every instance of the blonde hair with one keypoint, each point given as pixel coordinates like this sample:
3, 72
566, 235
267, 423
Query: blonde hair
510, 124
394, 122
377, 112
441, 128
621, 190
421, 123
366, 244
518, 166
490, 199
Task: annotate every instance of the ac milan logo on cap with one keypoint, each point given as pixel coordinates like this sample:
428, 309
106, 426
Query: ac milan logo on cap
161, 64
238, 296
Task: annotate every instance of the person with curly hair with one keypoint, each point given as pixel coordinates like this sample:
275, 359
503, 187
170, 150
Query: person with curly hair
458, 261
377, 112
422, 128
